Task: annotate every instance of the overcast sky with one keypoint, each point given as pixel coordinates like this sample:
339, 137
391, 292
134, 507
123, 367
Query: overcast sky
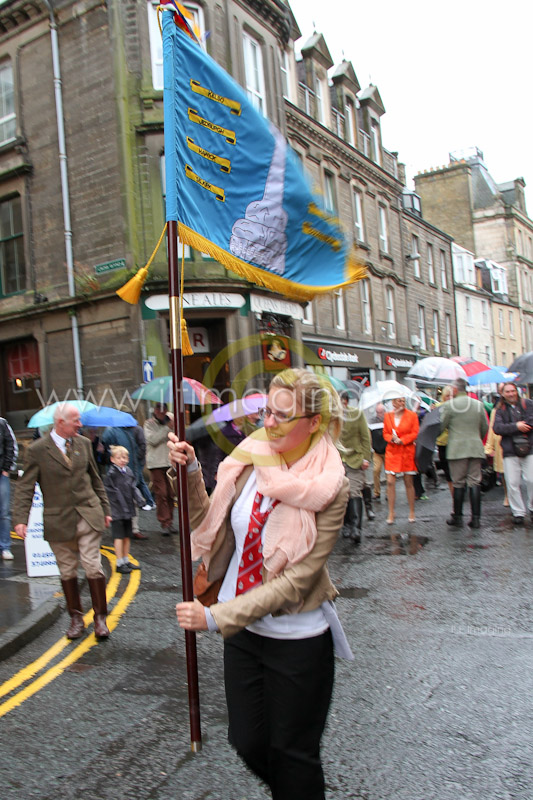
451, 75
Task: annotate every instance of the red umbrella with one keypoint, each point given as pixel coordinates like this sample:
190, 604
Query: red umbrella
470, 365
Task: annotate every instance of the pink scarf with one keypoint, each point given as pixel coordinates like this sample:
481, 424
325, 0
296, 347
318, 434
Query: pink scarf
310, 485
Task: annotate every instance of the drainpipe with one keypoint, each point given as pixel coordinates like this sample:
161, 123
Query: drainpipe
66, 195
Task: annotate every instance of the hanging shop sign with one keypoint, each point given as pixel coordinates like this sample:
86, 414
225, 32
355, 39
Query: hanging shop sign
260, 303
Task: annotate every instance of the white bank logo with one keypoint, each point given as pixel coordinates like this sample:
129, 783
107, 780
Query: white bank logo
397, 363
334, 355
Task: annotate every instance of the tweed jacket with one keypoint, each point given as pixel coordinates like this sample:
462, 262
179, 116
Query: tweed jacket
302, 587
68, 489
465, 419
355, 439
156, 435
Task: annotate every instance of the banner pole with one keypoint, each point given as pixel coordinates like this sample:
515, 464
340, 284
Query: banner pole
176, 358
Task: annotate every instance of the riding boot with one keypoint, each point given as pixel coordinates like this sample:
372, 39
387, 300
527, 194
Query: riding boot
72, 596
349, 519
475, 506
367, 497
357, 525
456, 519
97, 587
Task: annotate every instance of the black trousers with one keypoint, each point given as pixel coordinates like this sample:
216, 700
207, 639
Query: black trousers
278, 693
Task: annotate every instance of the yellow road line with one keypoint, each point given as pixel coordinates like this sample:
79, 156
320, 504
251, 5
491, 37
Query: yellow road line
32, 669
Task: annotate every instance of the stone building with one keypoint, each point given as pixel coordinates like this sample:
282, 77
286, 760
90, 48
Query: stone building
82, 204
489, 220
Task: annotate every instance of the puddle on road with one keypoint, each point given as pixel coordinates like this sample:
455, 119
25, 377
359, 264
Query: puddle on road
352, 592
394, 545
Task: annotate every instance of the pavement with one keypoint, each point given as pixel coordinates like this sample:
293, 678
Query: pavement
28, 606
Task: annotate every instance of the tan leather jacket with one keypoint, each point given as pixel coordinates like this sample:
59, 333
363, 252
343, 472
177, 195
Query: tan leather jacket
302, 587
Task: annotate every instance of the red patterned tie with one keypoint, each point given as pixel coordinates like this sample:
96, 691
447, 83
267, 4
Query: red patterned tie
252, 555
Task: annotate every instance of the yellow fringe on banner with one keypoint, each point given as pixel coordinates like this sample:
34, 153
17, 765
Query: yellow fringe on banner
186, 348
295, 291
131, 291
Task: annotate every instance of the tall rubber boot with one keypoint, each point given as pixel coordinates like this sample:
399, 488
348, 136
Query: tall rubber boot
357, 525
475, 506
72, 596
97, 587
456, 519
349, 519
367, 498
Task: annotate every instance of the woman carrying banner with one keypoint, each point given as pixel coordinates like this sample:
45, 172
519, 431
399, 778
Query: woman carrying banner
267, 533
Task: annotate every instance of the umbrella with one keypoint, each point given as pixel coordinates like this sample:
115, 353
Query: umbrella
425, 441
238, 408
160, 391
491, 375
105, 417
384, 390
439, 370
46, 415
523, 365
353, 388
470, 365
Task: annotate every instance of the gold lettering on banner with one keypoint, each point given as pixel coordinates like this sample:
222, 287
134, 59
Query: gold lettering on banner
229, 136
318, 212
223, 163
233, 105
308, 229
216, 190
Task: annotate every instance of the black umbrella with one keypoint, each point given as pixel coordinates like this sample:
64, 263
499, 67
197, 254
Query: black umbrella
524, 366
425, 441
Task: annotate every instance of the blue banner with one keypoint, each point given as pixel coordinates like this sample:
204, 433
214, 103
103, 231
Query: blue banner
235, 187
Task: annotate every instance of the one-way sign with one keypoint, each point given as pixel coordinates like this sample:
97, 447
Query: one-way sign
148, 371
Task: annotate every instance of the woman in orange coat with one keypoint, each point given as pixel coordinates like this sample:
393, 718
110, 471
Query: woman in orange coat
400, 429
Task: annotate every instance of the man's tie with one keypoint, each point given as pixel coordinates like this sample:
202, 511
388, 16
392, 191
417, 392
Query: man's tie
251, 562
68, 449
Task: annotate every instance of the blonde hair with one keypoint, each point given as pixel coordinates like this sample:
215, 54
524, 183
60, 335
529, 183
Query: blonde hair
117, 450
316, 395
446, 393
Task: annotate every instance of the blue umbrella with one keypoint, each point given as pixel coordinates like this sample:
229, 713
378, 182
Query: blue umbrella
492, 375
46, 415
104, 417
159, 390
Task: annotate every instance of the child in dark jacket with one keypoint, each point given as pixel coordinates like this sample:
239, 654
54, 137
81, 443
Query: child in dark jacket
121, 488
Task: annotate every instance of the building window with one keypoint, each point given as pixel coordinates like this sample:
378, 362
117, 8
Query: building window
383, 230
468, 310
339, 310
448, 331
443, 277
358, 216
484, 314
500, 321
338, 119
329, 192
520, 243
8, 120
307, 318
12, 263
471, 350
253, 72
285, 74
365, 142
391, 321
415, 256
487, 354
422, 327
319, 101
156, 42
431, 265
349, 122
376, 143
499, 281
511, 324
366, 308
436, 334
504, 357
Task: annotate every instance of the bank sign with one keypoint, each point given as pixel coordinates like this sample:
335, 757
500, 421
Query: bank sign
398, 363
341, 356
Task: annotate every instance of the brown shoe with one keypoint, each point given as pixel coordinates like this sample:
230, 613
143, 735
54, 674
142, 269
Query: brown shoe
77, 626
139, 536
101, 631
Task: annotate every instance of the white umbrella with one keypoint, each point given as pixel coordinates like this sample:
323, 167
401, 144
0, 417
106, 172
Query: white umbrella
382, 391
439, 370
